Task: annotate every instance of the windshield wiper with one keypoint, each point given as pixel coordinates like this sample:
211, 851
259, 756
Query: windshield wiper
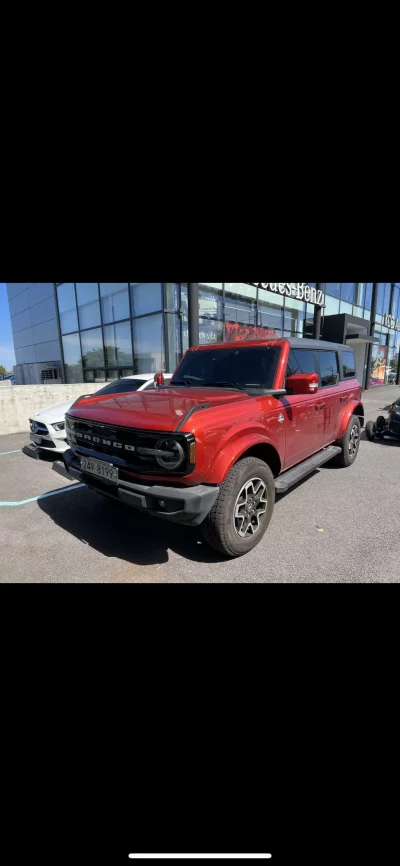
224, 385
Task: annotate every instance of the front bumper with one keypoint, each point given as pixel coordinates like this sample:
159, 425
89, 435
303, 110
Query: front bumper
187, 505
50, 443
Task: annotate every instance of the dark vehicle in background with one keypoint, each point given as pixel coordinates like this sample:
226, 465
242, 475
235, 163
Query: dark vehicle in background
385, 426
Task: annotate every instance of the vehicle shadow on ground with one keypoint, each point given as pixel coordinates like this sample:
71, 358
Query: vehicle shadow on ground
116, 530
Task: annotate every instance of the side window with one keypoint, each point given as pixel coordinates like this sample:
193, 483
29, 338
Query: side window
348, 365
300, 361
328, 364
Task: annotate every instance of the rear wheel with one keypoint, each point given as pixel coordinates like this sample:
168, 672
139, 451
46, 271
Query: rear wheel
243, 509
370, 430
349, 443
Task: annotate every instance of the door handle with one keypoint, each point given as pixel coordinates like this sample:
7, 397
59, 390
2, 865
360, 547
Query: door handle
319, 406
343, 399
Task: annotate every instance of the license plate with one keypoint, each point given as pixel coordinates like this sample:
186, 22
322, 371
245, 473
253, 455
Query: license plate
100, 469
37, 439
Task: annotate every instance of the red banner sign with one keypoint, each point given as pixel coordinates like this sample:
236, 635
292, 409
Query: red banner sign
235, 332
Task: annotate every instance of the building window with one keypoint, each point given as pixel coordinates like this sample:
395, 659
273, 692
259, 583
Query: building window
171, 296
347, 292
72, 358
345, 307
333, 289
118, 345
294, 315
395, 302
92, 349
368, 296
270, 314
210, 302
360, 294
332, 306
211, 331
329, 371
146, 298
148, 344
114, 301
383, 302
67, 307
88, 304
240, 303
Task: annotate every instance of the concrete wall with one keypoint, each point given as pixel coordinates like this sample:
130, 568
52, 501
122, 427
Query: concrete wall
34, 322
18, 403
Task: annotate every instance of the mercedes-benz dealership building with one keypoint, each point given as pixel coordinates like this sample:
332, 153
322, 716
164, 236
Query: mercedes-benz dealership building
92, 332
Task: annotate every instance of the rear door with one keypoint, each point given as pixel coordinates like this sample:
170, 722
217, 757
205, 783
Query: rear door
329, 398
299, 412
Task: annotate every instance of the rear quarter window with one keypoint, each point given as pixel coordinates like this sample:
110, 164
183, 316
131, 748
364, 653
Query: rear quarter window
328, 367
348, 365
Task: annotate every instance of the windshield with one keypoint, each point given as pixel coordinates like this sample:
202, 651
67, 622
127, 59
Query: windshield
121, 385
243, 368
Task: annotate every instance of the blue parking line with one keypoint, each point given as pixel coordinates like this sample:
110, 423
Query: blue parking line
43, 495
10, 452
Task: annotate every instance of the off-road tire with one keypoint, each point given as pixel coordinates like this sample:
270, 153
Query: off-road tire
347, 456
218, 528
370, 430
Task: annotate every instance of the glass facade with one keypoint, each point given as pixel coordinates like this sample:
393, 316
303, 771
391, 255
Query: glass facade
109, 330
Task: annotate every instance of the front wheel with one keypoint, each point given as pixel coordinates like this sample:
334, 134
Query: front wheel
349, 443
243, 509
370, 430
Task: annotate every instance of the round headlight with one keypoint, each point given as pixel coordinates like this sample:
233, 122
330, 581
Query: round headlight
176, 456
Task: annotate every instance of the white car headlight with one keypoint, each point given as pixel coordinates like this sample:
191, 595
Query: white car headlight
60, 426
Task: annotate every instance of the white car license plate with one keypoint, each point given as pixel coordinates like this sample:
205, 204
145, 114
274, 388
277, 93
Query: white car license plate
36, 439
100, 469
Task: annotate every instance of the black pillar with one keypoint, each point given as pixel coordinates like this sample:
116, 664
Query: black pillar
193, 313
317, 315
372, 329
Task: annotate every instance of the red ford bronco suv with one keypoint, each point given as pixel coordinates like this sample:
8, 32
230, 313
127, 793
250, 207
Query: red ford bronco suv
238, 422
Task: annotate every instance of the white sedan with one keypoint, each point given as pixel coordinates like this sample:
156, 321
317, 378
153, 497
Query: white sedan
48, 425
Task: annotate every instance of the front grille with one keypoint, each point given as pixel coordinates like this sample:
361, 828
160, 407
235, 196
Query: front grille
78, 429
38, 427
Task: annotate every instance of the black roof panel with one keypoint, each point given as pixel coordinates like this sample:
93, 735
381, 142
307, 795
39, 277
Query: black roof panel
304, 343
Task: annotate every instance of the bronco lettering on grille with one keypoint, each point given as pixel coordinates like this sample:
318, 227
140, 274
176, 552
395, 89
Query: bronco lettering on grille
99, 441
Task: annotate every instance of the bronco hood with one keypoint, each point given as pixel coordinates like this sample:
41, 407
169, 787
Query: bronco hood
162, 409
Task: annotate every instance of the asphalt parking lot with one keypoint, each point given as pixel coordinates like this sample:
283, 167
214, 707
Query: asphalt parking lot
338, 525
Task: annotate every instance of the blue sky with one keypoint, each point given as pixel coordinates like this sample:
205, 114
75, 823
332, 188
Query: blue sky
7, 354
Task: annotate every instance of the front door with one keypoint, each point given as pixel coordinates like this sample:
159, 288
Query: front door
299, 411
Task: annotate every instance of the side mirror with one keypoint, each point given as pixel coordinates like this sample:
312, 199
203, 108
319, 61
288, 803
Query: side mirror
158, 380
302, 383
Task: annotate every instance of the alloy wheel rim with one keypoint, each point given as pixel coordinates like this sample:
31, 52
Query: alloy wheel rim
354, 440
250, 505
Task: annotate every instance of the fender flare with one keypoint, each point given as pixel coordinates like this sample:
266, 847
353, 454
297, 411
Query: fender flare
224, 461
353, 408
